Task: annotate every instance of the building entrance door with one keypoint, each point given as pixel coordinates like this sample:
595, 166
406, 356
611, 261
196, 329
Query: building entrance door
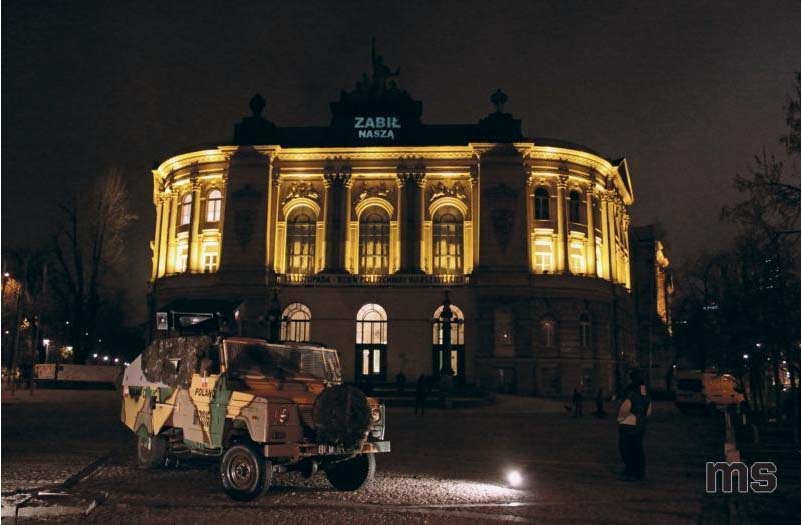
371, 362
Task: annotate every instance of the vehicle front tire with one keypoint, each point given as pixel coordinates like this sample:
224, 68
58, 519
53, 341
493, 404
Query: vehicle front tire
352, 474
244, 473
151, 451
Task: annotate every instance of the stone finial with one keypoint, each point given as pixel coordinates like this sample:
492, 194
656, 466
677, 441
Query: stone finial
257, 104
499, 98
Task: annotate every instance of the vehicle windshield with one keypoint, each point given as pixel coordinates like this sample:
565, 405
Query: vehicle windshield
283, 362
692, 385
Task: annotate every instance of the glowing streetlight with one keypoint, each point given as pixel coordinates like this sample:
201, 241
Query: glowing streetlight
94, 356
514, 478
105, 358
746, 356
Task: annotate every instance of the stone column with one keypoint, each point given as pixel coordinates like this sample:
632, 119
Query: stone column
171, 245
337, 180
591, 235
195, 264
612, 248
156, 243
625, 244
604, 200
410, 190
273, 187
164, 215
562, 226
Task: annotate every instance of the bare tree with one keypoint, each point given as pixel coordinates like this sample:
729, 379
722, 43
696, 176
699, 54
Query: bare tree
87, 248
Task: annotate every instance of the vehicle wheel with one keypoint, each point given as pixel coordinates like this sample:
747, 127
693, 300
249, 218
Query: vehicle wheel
352, 474
245, 474
151, 451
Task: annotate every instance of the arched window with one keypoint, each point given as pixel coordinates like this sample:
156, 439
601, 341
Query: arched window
456, 359
296, 322
447, 242
371, 325
542, 204
548, 332
301, 242
214, 204
374, 242
186, 209
584, 331
457, 326
371, 341
574, 206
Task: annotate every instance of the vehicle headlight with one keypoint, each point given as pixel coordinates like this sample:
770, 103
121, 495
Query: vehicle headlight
283, 415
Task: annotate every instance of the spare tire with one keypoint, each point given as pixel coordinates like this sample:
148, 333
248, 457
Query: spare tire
342, 417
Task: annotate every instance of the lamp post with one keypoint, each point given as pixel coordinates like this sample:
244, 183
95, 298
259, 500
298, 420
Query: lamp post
274, 318
445, 323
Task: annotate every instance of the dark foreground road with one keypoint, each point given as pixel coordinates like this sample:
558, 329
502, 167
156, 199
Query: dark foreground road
445, 467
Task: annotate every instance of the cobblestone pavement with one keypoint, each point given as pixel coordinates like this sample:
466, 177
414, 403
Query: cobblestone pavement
445, 467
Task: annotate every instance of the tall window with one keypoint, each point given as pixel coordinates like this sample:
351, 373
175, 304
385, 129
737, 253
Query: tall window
181, 257
296, 322
541, 204
574, 206
186, 209
447, 240
584, 331
371, 341
214, 203
597, 214
548, 333
301, 242
576, 257
544, 258
374, 242
211, 257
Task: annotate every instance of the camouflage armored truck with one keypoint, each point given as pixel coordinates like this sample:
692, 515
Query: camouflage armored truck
261, 407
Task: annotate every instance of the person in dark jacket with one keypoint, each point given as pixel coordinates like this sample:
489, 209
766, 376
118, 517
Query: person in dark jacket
633, 416
600, 413
577, 401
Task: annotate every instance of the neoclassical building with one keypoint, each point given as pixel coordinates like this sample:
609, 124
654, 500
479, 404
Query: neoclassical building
361, 226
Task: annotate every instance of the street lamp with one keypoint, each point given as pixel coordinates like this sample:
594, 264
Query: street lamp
445, 323
46, 343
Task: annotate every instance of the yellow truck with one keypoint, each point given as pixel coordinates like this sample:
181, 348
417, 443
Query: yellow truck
260, 407
706, 390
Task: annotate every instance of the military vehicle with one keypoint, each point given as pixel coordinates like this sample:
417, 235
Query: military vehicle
260, 407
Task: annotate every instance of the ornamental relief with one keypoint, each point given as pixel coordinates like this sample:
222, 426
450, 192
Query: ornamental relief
379, 190
440, 189
298, 190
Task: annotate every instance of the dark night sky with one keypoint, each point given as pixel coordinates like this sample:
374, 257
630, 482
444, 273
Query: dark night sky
687, 91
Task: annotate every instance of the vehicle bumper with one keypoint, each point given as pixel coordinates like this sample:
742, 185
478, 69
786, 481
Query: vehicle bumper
298, 450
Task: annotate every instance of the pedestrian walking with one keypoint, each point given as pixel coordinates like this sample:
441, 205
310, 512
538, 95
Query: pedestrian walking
400, 382
577, 401
421, 389
600, 413
633, 416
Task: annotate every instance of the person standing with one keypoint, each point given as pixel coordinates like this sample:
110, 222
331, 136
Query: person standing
577, 400
633, 416
420, 394
600, 413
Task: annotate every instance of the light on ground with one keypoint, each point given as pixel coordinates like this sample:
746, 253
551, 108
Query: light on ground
514, 478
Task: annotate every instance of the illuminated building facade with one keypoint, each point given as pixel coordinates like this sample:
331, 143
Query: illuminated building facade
361, 226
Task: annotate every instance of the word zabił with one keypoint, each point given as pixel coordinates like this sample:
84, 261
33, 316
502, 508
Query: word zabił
376, 127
